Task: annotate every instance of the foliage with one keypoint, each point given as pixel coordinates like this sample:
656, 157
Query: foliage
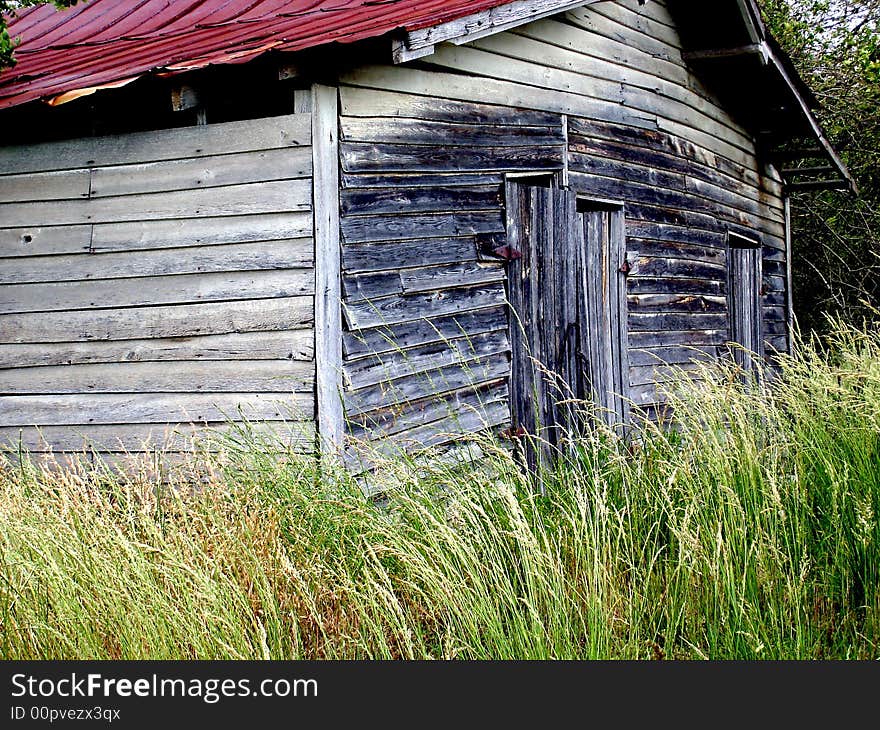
751, 531
836, 46
7, 7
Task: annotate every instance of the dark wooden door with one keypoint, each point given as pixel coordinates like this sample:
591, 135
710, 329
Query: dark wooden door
568, 309
744, 302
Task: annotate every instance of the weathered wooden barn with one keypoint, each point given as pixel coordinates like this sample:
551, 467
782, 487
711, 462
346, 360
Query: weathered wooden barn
375, 218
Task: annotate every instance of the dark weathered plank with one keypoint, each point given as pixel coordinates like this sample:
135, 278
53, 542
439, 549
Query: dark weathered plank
678, 250
423, 385
420, 180
387, 422
676, 303
363, 157
396, 309
649, 266
421, 331
420, 132
374, 257
364, 229
676, 286
660, 322
376, 103
393, 365
409, 281
420, 199
687, 337
671, 355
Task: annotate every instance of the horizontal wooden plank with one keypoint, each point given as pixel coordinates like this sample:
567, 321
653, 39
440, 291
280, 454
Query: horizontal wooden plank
289, 345
676, 303
652, 148
623, 170
420, 132
601, 27
67, 185
423, 385
382, 423
393, 365
674, 234
678, 250
525, 66
374, 228
385, 157
600, 76
686, 337
264, 197
202, 172
138, 236
166, 144
299, 436
652, 266
257, 256
397, 309
671, 355
359, 102
428, 436
371, 257
774, 314
155, 290
102, 408
435, 328
408, 281
658, 322
662, 373
672, 285
188, 320
419, 200
215, 376
643, 194
471, 88
420, 180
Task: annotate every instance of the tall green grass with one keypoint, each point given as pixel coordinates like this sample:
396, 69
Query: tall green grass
749, 530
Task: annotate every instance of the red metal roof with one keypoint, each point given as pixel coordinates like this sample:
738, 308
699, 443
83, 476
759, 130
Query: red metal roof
65, 53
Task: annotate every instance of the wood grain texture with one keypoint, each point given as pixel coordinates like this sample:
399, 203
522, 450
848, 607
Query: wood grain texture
172, 144
157, 279
328, 276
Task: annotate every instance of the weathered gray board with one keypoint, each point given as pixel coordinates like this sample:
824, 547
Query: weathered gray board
600, 96
157, 280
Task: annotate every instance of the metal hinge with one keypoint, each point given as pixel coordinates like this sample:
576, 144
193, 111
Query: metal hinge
508, 253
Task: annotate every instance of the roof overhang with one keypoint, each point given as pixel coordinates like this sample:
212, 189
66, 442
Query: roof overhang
735, 55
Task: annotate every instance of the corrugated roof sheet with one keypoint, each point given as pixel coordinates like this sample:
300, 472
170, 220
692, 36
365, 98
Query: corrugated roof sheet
105, 42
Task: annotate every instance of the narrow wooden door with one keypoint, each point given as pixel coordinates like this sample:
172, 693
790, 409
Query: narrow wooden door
568, 309
744, 301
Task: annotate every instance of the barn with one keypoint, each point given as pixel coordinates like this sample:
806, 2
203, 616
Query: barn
395, 222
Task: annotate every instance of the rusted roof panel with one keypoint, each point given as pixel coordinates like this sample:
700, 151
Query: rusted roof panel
104, 42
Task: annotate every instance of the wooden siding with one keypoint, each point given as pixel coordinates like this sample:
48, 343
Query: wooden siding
423, 152
426, 342
157, 282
